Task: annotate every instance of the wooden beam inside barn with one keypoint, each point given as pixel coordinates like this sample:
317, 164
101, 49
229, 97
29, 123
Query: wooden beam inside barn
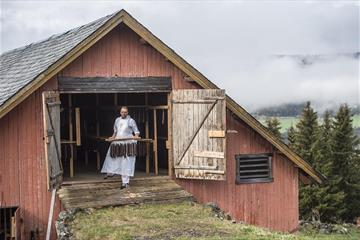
147, 161
71, 138
114, 84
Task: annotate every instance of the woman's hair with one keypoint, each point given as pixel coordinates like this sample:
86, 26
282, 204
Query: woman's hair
124, 107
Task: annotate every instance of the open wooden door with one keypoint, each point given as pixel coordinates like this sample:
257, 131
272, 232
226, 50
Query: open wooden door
198, 133
51, 114
15, 225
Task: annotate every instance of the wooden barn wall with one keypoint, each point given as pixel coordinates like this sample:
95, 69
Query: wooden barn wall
272, 205
22, 164
121, 53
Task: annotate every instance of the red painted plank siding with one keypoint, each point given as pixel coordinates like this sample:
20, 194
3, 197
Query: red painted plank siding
273, 205
120, 53
22, 163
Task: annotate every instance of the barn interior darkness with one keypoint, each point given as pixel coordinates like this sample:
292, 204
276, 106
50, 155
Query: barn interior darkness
88, 118
7, 222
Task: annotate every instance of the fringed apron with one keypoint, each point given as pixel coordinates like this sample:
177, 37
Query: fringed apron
121, 155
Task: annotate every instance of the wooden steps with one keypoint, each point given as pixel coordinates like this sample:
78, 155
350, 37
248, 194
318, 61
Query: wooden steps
108, 193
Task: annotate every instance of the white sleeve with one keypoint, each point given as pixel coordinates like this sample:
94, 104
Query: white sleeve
134, 126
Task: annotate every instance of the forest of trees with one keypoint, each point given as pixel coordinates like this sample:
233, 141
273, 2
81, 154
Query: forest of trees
333, 149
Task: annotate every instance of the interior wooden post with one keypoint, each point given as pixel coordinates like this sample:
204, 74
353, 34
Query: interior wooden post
97, 131
155, 145
169, 140
98, 160
147, 161
86, 147
77, 124
86, 157
71, 138
115, 99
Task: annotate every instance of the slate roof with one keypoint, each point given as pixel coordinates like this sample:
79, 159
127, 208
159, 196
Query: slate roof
20, 66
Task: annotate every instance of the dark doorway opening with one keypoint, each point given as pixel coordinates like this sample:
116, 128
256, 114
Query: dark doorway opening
88, 118
9, 223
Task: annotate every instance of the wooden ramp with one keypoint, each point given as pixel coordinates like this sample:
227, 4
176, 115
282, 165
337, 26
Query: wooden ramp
104, 193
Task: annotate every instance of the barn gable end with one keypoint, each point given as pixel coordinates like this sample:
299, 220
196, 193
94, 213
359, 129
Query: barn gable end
122, 53
123, 47
106, 24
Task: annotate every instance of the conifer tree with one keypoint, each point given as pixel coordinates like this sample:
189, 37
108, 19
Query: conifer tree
291, 134
328, 200
323, 152
346, 162
332, 149
307, 132
305, 141
273, 124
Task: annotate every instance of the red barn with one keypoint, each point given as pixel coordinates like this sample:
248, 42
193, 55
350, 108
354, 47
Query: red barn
59, 98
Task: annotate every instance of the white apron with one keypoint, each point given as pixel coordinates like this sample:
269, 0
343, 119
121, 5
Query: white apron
121, 165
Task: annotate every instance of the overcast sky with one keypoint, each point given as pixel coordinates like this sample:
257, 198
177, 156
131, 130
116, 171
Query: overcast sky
236, 44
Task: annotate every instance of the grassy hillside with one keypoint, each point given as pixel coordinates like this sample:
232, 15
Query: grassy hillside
175, 221
287, 122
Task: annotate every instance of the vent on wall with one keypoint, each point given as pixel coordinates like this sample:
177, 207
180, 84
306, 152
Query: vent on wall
253, 168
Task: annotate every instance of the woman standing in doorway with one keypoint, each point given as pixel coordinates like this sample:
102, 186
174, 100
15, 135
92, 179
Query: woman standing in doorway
122, 163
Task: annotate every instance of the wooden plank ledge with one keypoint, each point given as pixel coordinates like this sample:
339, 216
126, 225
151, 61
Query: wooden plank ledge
105, 193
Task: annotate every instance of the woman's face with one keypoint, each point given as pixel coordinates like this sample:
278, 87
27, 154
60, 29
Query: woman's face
123, 112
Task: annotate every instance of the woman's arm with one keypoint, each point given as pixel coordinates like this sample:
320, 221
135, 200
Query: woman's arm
134, 128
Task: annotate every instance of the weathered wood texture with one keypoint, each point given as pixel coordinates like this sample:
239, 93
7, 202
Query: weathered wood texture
17, 226
23, 172
51, 116
114, 84
196, 112
121, 53
272, 205
108, 193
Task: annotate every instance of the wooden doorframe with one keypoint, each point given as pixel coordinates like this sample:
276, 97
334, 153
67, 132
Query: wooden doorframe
168, 144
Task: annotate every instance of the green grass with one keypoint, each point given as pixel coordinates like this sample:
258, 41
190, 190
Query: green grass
174, 221
287, 122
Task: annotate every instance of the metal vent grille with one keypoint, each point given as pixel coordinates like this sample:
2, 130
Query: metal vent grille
253, 168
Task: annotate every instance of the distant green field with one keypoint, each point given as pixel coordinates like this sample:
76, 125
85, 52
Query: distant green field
287, 122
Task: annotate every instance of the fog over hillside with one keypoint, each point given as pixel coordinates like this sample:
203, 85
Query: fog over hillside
327, 80
295, 109
263, 53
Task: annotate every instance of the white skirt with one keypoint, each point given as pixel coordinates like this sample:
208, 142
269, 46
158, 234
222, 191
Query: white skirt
119, 165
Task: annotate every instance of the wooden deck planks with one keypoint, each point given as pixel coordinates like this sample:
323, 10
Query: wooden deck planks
108, 193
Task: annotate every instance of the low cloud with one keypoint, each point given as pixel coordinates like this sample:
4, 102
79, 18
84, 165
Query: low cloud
235, 44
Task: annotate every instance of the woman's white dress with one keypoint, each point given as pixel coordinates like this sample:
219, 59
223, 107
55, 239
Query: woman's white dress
123, 127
